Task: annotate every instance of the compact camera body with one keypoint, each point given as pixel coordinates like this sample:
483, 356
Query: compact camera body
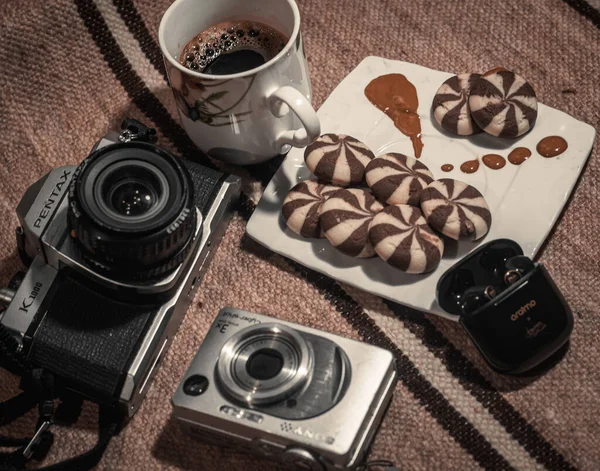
311, 399
116, 248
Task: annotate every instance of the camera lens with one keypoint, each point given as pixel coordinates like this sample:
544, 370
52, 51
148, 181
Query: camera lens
131, 211
131, 191
133, 197
264, 364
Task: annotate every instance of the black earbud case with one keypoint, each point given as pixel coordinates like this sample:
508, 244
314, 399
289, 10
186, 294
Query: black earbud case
524, 324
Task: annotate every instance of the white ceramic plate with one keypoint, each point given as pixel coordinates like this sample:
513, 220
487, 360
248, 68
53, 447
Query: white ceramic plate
525, 200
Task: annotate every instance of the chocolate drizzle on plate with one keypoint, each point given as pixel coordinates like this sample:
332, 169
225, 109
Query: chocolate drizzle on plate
397, 97
552, 146
493, 161
470, 166
447, 167
519, 155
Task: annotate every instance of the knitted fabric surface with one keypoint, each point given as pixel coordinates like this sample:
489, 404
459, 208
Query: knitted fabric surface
72, 70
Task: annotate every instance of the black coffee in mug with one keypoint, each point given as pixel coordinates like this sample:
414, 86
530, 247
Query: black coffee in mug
232, 47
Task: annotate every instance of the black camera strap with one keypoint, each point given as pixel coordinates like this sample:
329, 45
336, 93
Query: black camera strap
16, 407
39, 392
108, 425
39, 389
38, 446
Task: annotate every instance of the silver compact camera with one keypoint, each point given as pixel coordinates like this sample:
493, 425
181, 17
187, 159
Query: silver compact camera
309, 398
115, 248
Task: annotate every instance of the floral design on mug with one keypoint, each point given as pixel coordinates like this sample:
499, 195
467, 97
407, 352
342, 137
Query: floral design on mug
198, 100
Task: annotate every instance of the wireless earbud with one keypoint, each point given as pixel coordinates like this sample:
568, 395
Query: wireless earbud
516, 268
502, 266
476, 297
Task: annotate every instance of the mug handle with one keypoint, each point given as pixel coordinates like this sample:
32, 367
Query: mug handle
280, 102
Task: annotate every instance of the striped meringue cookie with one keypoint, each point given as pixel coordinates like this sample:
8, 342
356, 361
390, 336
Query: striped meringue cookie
338, 159
345, 219
397, 179
450, 105
302, 204
456, 209
400, 236
503, 104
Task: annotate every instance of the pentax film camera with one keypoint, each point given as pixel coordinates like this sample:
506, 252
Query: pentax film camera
115, 248
308, 398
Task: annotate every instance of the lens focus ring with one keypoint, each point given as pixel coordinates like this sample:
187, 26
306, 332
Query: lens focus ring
131, 211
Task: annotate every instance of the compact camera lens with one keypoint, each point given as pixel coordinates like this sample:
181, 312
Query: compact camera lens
264, 364
131, 211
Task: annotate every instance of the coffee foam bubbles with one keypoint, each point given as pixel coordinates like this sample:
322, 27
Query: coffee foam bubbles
228, 37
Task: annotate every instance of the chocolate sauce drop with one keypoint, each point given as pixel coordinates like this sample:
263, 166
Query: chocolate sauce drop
470, 166
493, 161
447, 167
519, 155
552, 146
397, 97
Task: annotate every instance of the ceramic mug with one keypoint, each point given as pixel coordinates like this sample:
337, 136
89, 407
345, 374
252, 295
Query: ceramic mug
248, 117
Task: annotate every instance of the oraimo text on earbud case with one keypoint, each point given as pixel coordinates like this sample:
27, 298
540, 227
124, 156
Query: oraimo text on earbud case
526, 321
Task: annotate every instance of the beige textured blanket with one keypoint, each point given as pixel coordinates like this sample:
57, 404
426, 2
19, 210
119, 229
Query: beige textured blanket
70, 70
